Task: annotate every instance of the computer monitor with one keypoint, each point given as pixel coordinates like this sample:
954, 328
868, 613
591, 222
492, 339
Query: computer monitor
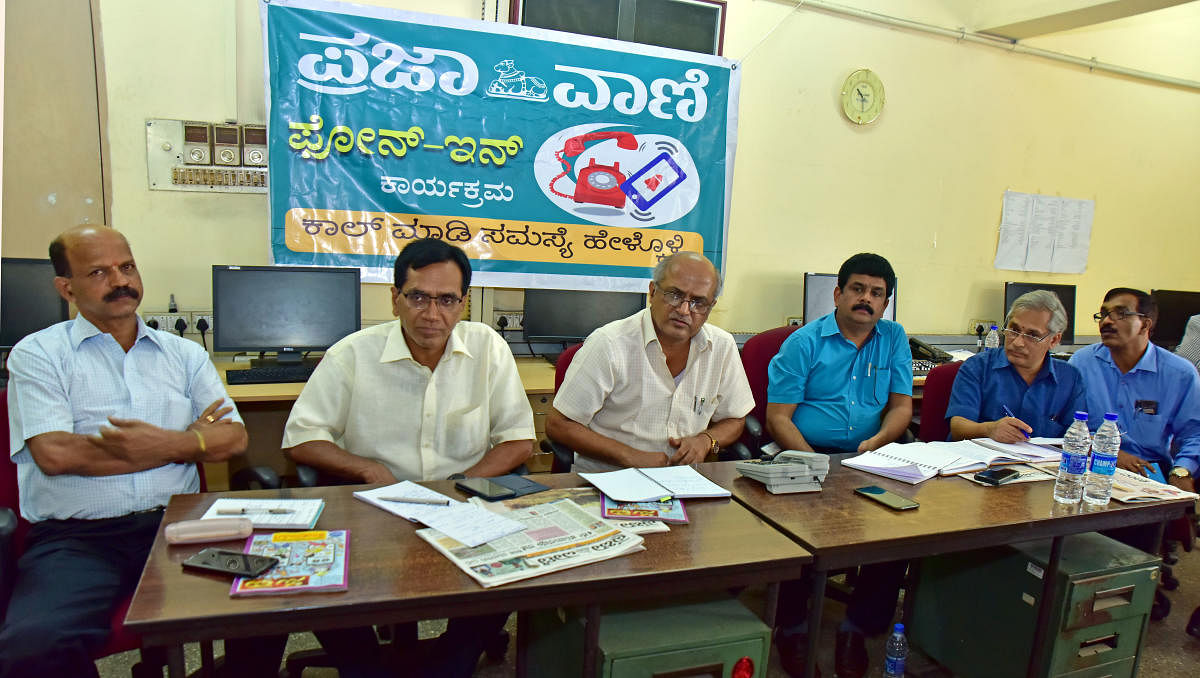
28, 299
818, 296
286, 309
571, 315
1066, 294
1174, 309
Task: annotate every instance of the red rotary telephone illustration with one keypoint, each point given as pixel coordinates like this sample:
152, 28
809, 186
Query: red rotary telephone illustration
600, 184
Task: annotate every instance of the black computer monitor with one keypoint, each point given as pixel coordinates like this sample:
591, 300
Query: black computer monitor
1066, 294
28, 299
571, 315
818, 296
1174, 309
286, 309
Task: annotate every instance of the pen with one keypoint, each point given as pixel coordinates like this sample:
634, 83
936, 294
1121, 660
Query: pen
243, 511
1008, 412
417, 500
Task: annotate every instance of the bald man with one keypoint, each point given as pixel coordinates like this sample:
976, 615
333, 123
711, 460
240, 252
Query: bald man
108, 418
661, 387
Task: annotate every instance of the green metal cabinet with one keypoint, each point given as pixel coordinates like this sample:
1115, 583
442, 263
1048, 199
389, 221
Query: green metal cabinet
700, 637
975, 612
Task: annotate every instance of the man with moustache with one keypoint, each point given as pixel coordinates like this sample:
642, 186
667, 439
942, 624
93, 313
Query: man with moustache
108, 418
661, 387
1021, 391
843, 383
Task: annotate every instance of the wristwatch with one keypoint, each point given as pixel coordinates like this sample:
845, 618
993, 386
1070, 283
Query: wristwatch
455, 476
1180, 472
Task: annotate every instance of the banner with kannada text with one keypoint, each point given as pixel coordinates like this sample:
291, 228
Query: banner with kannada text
552, 159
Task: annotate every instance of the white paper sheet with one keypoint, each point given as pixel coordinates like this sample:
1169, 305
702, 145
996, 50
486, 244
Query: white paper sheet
467, 524
1044, 233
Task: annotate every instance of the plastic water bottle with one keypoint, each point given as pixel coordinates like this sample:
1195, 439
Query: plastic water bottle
1105, 445
992, 340
896, 653
1068, 487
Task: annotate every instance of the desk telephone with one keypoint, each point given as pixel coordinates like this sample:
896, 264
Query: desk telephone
922, 351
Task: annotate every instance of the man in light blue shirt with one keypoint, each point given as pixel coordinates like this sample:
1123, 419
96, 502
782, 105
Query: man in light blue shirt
843, 383
1021, 391
1155, 393
108, 418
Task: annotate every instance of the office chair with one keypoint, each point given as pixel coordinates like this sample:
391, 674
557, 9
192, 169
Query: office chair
563, 455
934, 401
13, 529
756, 356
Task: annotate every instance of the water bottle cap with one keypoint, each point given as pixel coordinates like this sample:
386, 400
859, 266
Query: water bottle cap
899, 628
1081, 416
993, 327
1110, 416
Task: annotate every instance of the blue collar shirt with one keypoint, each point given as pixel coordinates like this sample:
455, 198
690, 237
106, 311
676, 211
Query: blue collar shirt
1157, 403
840, 391
71, 377
987, 383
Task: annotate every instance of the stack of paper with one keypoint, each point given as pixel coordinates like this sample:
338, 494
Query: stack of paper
788, 472
465, 522
269, 514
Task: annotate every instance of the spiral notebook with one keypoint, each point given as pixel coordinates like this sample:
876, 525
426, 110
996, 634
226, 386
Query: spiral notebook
910, 463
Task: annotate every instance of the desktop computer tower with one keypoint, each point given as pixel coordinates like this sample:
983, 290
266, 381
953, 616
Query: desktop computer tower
699, 637
974, 613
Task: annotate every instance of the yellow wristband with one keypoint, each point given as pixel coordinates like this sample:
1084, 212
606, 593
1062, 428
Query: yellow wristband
200, 437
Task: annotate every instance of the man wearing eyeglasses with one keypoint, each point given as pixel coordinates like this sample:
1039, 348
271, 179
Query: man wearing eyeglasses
1021, 391
661, 387
843, 383
424, 397
1155, 393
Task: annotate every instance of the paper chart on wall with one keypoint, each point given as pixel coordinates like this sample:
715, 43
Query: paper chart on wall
1044, 233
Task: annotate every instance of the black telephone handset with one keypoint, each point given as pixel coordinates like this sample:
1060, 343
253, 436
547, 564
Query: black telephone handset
922, 351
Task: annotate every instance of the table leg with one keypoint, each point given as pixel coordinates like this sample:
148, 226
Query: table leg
772, 604
591, 640
1040, 632
207, 663
175, 666
522, 643
816, 601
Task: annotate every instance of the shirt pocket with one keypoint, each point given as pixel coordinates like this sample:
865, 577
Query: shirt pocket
877, 386
1148, 431
466, 433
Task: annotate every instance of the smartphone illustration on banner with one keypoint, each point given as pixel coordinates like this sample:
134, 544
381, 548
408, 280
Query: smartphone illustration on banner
653, 181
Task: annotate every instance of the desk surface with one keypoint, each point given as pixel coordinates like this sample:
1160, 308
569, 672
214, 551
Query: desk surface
843, 529
537, 376
396, 576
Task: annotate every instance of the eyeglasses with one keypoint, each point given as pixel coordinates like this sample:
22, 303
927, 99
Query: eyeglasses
419, 300
1116, 314
1010, 334
675, 299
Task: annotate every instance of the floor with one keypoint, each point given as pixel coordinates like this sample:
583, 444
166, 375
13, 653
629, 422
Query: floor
1168, 652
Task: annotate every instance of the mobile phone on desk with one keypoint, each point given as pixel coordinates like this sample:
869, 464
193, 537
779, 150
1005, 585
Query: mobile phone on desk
886, 497
1154, 472
485, 488
230, 562
997, 476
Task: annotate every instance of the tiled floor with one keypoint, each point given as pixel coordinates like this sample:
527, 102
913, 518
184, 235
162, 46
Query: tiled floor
1168, 653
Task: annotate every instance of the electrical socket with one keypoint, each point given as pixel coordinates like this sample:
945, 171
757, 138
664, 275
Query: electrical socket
166, 321
987, 324
196, 316
515, 319
793, 320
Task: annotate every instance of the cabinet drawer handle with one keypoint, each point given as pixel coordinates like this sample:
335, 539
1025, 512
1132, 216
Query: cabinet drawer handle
1104, 600
1099, 645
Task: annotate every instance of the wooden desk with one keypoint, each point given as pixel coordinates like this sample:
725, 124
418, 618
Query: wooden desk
842, 529
396, 576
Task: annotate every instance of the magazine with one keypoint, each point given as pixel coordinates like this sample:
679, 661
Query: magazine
670, 511
308, 561
557, 535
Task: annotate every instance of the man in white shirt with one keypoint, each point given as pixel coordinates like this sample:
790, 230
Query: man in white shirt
424, 397
660, 387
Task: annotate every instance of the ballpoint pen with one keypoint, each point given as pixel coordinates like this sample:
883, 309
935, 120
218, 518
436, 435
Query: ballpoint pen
1009, 413
417, 500
244, 511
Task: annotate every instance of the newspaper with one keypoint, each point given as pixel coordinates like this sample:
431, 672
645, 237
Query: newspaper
558, 535
1132, 488
587, 498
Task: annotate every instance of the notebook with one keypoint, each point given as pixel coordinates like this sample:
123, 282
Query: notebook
655, 484
910, 463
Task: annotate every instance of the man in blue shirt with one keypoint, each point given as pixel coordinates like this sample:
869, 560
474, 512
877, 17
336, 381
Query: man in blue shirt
108, 418
1021, 391
843, 383
1155, 393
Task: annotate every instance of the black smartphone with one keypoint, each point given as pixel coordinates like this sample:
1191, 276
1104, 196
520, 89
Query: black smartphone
230, 562
997, 476
887, 498
484, 487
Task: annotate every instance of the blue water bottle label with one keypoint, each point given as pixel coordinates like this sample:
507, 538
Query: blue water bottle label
1103, 464
893, 666
1073, 463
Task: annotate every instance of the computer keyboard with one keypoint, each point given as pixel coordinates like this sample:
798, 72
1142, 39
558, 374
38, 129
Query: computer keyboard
920, 367
274, 374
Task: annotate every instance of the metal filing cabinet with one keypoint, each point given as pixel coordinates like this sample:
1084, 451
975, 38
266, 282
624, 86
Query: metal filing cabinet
975, 612
703, 637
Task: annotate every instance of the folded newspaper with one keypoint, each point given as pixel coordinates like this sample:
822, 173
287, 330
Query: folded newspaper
1133, 488
556, 536
788, 472
587, 498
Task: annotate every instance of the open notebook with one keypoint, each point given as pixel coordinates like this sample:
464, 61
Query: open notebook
917, 462
984, 453
655, 484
